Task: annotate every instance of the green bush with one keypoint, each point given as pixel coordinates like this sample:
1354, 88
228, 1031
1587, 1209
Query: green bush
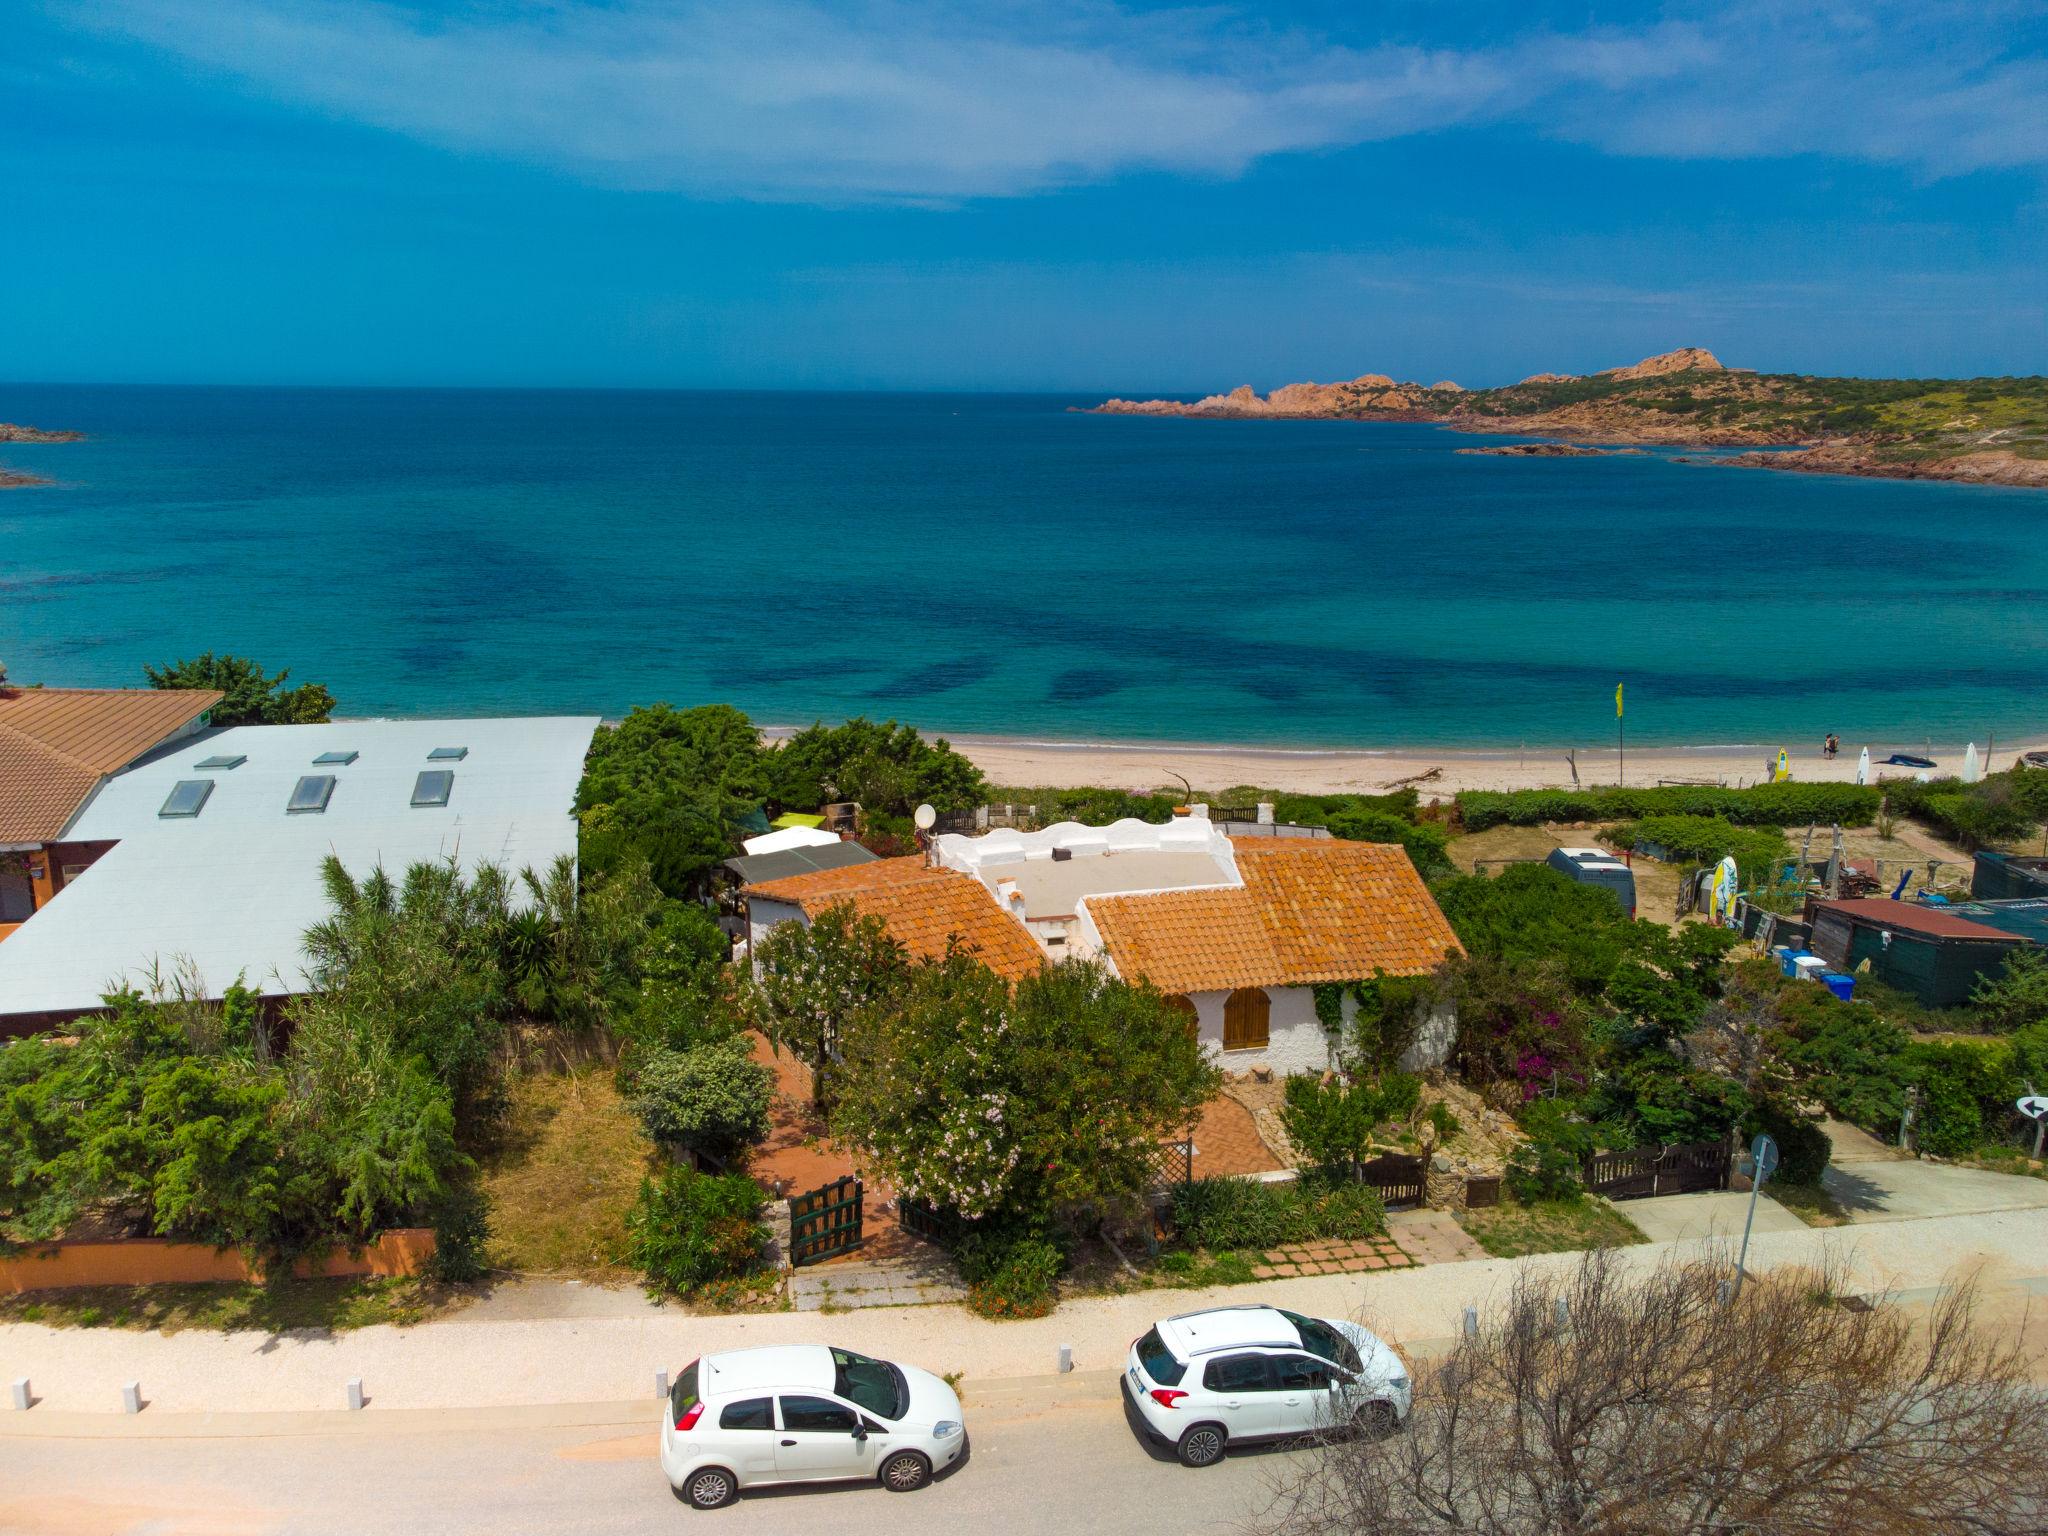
1547, 1166
1761, 853
1019, 1283
1226, 1213
712, 1099
1959, 1081
1803, 1147
2017, 995
1762, 805
462, 1227
688, 1229
1331, 1123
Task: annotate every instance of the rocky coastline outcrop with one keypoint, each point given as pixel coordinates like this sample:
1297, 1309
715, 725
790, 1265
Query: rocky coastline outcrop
14, 432
1688, 398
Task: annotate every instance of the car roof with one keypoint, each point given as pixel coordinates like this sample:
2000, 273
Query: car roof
797, 1367
1204, 1333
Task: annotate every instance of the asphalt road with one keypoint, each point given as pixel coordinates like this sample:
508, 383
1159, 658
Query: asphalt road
1035, 1467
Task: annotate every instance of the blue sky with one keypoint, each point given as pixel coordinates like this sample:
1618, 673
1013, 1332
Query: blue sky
1069, 194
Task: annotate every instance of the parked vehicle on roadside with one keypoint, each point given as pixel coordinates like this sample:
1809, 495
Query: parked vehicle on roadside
1598, 868
1204, 1381
800, 1413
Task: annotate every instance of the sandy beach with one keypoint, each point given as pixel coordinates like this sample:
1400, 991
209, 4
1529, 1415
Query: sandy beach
1144, 766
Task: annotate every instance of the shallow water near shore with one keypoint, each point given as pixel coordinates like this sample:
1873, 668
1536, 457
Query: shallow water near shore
1004, 565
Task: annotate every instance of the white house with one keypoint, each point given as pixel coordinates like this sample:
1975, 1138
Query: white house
1238, 930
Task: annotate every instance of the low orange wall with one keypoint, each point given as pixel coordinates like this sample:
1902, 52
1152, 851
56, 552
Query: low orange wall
158, 1261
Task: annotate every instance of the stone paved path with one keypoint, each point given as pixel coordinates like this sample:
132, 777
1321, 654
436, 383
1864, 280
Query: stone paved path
1332, 1256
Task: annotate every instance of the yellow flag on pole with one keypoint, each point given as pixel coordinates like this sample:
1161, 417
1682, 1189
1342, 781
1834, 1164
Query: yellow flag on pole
1617, 701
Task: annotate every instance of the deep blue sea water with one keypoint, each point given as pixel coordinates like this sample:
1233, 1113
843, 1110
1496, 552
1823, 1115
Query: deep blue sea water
1002, 564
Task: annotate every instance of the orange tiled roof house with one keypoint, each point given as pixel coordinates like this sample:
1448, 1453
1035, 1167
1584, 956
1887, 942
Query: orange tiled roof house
1239, 929
57, 747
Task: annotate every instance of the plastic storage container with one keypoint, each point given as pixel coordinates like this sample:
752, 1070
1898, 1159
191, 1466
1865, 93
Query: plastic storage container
1809, 967
1840, 983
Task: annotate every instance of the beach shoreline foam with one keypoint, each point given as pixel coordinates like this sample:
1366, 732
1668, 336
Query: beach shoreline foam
1022, 762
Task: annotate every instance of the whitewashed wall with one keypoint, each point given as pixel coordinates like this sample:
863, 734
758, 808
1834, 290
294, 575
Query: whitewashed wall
1295, 1038
763, 915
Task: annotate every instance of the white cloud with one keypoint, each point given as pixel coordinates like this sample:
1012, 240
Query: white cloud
875, 101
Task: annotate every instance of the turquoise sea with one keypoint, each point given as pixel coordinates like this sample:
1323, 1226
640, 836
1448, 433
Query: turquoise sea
1006, 565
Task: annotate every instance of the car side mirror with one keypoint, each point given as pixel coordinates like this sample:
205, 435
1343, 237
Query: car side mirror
860, 1431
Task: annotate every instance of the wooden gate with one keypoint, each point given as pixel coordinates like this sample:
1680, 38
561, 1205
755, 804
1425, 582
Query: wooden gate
1396, 1176
920, 1218
825, 1222
1646, 1171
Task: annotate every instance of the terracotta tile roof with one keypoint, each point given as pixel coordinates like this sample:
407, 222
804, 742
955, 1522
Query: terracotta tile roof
58, 744
923, 907
1309, 911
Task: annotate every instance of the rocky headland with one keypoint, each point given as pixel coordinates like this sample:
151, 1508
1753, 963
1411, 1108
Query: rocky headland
14, 432
1992, 431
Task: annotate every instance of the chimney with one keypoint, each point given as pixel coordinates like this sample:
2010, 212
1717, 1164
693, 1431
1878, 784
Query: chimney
1199, 811
1265, 813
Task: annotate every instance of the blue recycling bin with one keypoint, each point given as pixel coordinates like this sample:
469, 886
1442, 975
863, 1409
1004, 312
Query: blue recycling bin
1840, 983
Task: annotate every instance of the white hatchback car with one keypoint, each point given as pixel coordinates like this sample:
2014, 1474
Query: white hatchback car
801, 1413
1204, 1380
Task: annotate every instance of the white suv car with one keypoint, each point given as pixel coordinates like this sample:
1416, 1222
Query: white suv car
804, 1413
1205, 1379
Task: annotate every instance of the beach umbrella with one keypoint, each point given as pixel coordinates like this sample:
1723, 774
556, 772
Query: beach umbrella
1972, 769
1784, 769
1722, 902
1863, 767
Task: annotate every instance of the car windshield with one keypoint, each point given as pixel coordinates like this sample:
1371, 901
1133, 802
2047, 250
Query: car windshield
1319, 1338
874, 1384
1159, 1361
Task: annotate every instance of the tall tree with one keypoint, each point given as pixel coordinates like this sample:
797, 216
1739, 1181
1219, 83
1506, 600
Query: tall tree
994, 1101
812, 979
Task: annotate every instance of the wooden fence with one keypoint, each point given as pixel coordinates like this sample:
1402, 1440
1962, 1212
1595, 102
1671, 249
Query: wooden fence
1647, 1171
826, 1222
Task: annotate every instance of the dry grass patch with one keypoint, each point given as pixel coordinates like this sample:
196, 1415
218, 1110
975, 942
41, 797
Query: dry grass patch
566, 1174
1510, 1230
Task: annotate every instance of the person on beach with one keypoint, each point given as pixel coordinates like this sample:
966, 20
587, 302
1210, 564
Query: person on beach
1831, 746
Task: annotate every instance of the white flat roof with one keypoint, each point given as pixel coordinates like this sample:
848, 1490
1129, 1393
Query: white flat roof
789, 837
230, 891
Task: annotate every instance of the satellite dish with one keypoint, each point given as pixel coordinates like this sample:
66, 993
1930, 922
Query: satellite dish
925, 817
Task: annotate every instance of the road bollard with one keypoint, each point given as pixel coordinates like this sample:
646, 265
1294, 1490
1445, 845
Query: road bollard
1725, 1291
661, 1383
1471, 1322
355, 1394
1066, 1358
131, 1397
21, 1397
1564, 1312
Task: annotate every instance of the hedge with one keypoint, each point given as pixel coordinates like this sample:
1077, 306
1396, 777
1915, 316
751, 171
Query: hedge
1762, 805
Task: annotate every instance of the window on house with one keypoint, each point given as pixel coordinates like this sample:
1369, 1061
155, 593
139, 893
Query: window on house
1247, 1020
223, 762
1185, 1007
335, 759
186, 797
432, 787
447, 754
311, 794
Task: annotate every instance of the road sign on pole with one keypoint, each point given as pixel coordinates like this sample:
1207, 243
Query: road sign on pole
2035, 1107
1763, 1162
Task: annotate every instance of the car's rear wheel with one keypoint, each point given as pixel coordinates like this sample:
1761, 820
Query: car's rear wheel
710, 1488
906, 1472
1201, 1446
1375, 1421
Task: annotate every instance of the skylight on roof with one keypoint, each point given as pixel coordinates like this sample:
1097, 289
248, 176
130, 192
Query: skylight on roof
186, 797
335, 759
223, 762
447, 754
432, 787
311, 794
